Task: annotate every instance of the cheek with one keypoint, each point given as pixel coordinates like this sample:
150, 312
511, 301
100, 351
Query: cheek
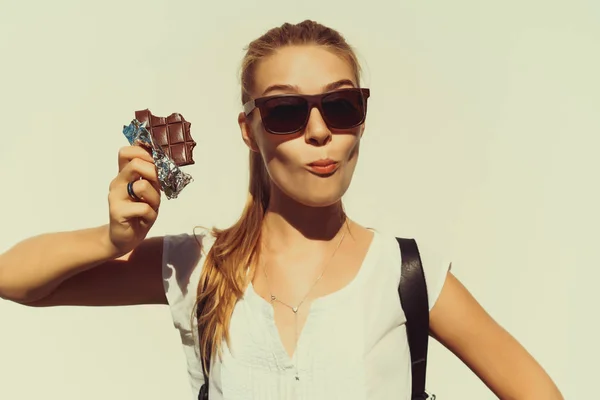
285, 162
292, 153
353, 148
282, 160
278, 149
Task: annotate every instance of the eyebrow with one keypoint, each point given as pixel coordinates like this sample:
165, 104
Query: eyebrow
295, 89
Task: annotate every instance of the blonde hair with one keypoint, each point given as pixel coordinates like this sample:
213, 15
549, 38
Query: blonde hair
230, 263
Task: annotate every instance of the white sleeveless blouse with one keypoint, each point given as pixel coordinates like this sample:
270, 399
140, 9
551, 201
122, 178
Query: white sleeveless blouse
353, 344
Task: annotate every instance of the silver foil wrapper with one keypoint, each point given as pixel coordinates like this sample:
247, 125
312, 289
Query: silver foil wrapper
172, 179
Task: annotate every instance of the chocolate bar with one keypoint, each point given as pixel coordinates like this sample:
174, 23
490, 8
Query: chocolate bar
172, 179
172, 134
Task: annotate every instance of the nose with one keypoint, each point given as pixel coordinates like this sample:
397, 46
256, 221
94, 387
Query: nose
317, 132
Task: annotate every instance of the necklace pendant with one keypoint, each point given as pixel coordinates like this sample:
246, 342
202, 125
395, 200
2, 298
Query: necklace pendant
297, 378
273, 298
295, 310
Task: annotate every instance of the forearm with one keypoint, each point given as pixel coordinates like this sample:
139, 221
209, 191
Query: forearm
34, 267
533, 383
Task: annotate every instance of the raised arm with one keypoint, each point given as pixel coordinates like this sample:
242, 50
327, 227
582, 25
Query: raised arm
108, 265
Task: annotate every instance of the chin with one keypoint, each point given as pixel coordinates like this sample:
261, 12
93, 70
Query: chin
324, 192
318, 199
318, 202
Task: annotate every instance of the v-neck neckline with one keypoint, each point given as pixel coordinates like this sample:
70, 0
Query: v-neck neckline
315, 307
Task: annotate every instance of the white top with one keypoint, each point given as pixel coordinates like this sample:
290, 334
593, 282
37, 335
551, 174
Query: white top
353, 344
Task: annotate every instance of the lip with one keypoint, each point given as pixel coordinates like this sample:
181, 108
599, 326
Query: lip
324, 166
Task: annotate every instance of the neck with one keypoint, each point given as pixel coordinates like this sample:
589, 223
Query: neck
288, 222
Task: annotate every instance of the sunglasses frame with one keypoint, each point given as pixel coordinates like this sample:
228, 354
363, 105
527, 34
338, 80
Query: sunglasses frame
313, 100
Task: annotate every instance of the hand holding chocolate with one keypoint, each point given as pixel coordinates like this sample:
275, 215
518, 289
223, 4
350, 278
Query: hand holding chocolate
170, 143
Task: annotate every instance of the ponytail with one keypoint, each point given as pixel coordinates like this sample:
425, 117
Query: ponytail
230, 264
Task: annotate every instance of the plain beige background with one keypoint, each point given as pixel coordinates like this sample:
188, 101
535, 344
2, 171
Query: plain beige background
482, 137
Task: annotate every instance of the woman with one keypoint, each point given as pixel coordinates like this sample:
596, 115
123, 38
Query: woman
296, 299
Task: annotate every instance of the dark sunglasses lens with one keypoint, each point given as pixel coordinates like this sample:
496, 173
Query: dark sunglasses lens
344, 109
284, 114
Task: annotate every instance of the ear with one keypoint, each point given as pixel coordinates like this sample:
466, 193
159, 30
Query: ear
362, 129
247, 132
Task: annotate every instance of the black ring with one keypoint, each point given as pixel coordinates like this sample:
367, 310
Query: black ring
131, 193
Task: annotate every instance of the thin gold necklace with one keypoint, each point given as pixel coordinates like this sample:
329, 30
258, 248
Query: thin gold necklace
297, 307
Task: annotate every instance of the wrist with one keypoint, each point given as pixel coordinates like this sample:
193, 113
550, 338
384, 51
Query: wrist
107, 248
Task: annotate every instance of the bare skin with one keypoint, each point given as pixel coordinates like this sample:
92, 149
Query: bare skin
292, 271
104, 266
116, 265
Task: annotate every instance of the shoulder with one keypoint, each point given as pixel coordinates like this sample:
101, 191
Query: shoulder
182, 259
198, 237
436, 265
435, 261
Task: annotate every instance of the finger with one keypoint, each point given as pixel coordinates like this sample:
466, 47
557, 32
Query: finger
155, 185
128, 153
144, 190
138, 168
132, 209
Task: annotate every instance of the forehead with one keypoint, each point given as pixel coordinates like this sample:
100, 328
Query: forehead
310, 68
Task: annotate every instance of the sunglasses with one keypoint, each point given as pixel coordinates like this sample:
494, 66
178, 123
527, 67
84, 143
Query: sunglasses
289, 113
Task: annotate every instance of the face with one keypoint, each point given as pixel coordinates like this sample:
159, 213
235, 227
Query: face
288, 158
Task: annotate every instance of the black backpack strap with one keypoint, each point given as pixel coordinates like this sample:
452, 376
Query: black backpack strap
203, 394
415, 303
